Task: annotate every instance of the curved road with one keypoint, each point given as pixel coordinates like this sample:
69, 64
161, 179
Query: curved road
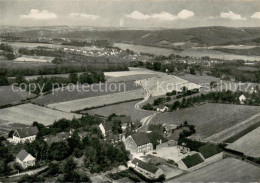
145, 121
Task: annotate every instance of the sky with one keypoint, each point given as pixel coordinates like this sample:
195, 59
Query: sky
131, 13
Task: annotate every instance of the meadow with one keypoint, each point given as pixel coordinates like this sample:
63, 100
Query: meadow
9, 96
226, 170
28, 113
75, 92
209, 118
98, 101
248, 144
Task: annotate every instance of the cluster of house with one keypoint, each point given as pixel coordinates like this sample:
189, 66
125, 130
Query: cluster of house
95, 51
185, 159
22, 135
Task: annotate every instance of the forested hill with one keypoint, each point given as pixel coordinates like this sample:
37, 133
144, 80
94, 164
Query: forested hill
201, 36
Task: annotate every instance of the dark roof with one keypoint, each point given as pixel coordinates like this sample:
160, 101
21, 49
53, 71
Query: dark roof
192, 160
141, 138
22, 155
146, 166
209, 150
59, 137
123, 119
27, 131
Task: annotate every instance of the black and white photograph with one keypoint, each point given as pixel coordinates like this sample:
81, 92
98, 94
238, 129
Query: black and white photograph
125, 91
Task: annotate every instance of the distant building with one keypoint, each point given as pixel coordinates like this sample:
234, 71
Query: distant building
27, 134
24, 159
242, 99
164, 109
146, 169
138, 143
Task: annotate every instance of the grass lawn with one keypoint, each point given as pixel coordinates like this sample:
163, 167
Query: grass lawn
208, 118
248, 144
226, 170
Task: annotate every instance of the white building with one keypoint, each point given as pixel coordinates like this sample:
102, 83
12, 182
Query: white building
24, 159
27, 134
242, 99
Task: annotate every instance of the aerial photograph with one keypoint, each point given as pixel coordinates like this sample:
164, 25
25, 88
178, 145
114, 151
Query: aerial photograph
125, 91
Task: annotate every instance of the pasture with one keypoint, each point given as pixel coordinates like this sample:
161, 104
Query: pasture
226, 170
26, 58
248, 144
76, 92
209, 118
28, 113
126, 108
98, 101
10, 96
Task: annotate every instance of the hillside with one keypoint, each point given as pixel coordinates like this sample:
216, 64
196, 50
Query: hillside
166, 38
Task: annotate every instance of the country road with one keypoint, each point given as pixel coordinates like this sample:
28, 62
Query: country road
146, 120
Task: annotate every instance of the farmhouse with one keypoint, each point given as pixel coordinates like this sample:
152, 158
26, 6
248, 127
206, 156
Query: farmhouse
27, 134
242, 99
24, 159
146, 169
59, 137
138, 143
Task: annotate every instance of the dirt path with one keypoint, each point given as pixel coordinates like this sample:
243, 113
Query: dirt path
229, 132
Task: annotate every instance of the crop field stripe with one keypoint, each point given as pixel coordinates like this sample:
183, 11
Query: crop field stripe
242, 133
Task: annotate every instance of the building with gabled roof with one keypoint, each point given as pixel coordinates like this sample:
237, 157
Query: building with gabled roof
26, 134
25, 159
138, 143
146, 169
242, 99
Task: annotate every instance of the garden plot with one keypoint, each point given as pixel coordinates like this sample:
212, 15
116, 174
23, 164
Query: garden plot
99, 101
248, 144
28, 113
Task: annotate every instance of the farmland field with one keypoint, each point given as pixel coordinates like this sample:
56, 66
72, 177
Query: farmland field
80, 92
166, 83
8, 96
226, 170
98, 101
126, 108
34, 59
28, 113
17, 45
192, 52
248, 144
199, 79
209, 118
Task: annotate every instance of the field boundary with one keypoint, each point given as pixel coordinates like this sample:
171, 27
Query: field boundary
227, 133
